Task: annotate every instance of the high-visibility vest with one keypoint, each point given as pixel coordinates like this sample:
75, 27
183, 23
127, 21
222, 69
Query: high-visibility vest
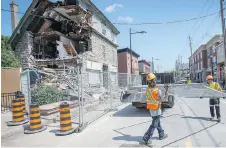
188, 81
215, 86
153, 102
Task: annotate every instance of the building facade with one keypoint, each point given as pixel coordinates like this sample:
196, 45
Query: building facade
66, 31
203, 61
124, 61
144, 66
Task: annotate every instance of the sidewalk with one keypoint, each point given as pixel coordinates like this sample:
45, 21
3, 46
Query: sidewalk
7, 131
91, 113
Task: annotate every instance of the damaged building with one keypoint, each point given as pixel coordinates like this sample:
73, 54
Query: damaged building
55, 34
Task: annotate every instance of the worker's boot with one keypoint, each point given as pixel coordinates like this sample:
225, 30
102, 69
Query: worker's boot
163, 137
212, 118
146, 142
218, 119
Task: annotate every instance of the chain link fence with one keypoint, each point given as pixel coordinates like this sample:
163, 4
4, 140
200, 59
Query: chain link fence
90, 93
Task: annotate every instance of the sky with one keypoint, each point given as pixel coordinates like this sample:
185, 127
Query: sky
162, 41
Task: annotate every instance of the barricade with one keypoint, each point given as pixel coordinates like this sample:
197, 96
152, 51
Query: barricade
35, 121
17, 114
65, 120
21, 97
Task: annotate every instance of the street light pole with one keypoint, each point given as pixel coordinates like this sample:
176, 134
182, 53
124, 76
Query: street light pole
130, 42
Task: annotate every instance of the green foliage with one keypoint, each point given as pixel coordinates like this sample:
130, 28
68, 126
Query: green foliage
8, 58
48, 94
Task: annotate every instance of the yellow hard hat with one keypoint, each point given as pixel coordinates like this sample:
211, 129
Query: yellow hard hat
150, 76
209, 77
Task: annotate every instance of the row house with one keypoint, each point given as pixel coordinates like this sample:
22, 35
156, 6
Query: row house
144, 66
124, 61
203, 61
220, 62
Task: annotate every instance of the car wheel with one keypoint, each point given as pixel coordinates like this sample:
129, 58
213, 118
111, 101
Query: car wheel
171, 101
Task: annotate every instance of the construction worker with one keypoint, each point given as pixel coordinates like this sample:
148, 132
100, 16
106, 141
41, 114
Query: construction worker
153, 95
188, 81
214, 101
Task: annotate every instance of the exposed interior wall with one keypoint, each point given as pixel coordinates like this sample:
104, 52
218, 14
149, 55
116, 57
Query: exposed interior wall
62, 51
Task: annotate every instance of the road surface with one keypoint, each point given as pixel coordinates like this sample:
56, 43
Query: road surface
187, 125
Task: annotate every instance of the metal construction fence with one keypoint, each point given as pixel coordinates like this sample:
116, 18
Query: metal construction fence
90, 93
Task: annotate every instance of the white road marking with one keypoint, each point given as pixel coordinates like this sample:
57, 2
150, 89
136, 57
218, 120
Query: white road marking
223, 101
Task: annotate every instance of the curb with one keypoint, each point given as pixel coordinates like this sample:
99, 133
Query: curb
47, 112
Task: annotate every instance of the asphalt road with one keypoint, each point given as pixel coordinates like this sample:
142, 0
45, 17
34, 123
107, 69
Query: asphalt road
187, 125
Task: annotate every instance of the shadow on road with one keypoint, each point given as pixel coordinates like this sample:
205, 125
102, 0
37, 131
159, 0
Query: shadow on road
197, 118
130, 111
131, 138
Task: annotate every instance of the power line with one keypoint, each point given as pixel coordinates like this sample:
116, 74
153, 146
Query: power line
169, 22
208, 29
5, 10
143, 23
199, 15
203, 18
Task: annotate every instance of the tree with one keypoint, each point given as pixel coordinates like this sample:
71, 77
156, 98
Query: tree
8, 57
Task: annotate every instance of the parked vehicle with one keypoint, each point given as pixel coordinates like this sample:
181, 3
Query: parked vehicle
136, 94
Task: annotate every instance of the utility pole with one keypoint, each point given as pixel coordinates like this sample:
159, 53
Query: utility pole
152, 65
131, 53
223, 34
191, 74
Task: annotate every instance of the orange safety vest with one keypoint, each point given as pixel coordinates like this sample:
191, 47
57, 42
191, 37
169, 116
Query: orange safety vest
153, 102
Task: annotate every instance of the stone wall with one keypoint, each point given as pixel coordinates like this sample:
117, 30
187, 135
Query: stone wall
110, 51
23, 50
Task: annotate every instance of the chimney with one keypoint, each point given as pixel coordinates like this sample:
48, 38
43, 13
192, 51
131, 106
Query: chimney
14, 15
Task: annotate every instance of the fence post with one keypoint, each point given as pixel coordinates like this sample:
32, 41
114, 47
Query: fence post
110, 89
82, 95
79, 101
29, 92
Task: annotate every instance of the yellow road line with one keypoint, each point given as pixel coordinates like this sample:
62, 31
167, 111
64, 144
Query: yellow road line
188, 143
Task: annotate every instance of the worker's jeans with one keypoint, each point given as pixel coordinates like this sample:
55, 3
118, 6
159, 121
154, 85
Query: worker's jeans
155, 124
216, 103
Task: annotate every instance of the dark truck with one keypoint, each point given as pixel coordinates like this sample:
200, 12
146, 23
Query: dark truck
136, 94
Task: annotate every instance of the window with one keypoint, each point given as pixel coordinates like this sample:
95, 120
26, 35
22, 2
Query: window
103, 27
201, 65
113, 56
103, 51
